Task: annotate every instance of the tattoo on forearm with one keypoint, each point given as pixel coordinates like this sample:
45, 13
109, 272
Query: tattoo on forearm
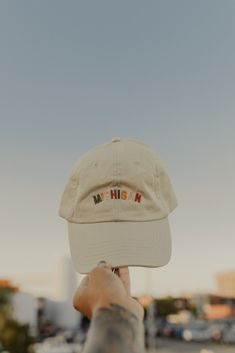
115, 329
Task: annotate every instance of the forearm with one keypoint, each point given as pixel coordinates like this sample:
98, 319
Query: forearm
115, 329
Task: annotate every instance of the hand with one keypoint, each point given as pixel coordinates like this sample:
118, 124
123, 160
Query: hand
101, 287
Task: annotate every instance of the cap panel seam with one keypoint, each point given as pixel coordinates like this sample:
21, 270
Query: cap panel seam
160, 195
76, 193
151, 217
114, 171
118, 173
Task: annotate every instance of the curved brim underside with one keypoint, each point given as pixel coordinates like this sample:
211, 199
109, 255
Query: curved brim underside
121, 244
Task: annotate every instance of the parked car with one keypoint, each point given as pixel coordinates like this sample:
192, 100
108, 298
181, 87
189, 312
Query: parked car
229, 335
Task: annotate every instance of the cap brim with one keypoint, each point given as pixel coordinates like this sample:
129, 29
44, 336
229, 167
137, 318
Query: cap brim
145, 244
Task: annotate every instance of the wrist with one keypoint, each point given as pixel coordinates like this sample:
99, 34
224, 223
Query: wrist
126, 302
114, 328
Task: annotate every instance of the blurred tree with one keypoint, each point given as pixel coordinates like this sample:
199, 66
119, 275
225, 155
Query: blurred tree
5, 304
14, 337
165, 306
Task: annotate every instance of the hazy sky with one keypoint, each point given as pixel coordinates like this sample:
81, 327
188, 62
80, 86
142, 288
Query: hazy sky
74, 74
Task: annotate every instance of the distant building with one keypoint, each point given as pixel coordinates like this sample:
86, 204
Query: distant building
64, 280
218, 311
56, 308
219, 307
226, 284
25, 305
60, 314
59, 309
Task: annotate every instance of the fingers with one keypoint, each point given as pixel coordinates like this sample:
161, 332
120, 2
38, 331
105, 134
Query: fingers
82, 287
104, 264
124, 271
79, 298
124, 275
101, 274
100, 286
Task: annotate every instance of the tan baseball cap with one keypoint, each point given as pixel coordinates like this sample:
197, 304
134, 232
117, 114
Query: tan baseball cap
116, 202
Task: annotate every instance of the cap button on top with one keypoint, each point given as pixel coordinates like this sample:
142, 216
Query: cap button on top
116, 139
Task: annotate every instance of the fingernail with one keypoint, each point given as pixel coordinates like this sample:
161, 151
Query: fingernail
103, 263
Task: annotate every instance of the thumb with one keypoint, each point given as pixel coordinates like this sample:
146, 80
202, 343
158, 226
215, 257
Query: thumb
80, 296
104, 264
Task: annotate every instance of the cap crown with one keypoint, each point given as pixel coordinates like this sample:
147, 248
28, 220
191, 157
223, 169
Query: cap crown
120, 180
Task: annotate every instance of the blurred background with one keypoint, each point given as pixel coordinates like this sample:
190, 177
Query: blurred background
76, 74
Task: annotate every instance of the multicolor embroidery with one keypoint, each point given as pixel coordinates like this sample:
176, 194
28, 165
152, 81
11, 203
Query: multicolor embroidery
117, 194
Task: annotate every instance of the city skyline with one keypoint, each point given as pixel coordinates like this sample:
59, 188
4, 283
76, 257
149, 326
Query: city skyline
61, 283
76, 75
